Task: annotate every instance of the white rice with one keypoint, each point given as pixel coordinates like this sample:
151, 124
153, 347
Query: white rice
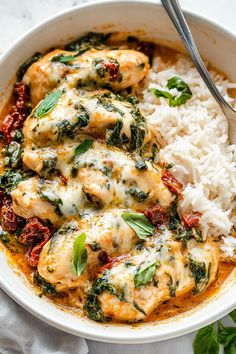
194, 137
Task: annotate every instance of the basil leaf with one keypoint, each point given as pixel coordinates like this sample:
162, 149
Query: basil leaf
80, 256
181, 86
83, 147
226, 335
230, 349
160, 93
145, 274
63, 58
48, 104
140, 224
233, 315
205, 341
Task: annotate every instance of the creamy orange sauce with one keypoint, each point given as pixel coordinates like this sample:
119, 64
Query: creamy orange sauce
170, 308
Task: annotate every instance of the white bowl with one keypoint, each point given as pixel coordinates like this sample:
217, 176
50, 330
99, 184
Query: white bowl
216, 45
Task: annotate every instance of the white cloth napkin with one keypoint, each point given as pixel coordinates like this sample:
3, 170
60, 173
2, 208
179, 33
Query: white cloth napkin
22, 333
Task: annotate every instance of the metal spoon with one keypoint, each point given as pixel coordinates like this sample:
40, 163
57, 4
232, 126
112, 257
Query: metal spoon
176, 15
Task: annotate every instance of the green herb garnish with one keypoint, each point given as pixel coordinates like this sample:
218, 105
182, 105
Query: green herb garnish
181, 86
92, 306
63, 58
80, 256
90, 40
206, 341
83, 147
140, 224
13, 154
48, 104
227, 337
145, 274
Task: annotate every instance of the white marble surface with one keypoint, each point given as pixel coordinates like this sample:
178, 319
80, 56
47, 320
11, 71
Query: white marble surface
16, 17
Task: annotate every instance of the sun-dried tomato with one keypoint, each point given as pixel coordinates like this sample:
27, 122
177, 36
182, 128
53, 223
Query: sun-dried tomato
103, 257
113, 70
191, 219
171, 182
108, 265
110, 262
63, 178
157, 214
1, 197
10, 220
34, 235
17, 114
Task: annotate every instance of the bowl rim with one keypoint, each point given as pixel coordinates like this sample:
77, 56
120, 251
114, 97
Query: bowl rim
106, 336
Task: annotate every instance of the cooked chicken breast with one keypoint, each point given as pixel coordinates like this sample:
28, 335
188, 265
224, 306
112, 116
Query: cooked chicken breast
117, 69
106, 235
160, 269
93, 112
51, 201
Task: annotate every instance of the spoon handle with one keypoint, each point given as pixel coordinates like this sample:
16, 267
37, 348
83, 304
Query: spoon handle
176, 15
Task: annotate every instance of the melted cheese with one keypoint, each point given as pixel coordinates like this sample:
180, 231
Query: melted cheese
105, 232
173, 277
108, 176
46, 74
65, 120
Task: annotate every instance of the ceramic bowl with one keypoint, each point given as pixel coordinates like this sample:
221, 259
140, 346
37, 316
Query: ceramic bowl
217, 45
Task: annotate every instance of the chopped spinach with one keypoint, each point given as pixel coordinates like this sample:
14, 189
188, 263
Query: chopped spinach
132, 99
201, 274
65, 59
49, 166
23, 68
139, 308
4, 236
110, 107
179, 231
137, 194
90, 40
141, 165
169, 166
10, 179
13, 154
46, 192
154, 151
92, 306
113, 137
138, 130
46, 288
95, 246
172, 286
67, 129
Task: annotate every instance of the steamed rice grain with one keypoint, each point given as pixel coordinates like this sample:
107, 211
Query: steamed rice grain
194, 137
